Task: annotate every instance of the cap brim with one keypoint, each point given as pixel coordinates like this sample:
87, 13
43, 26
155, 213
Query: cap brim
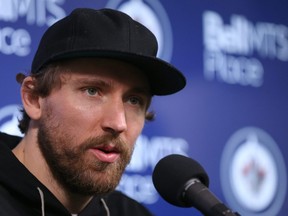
164, 78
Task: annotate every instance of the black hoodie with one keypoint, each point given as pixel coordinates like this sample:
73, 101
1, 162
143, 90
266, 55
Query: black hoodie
22, 194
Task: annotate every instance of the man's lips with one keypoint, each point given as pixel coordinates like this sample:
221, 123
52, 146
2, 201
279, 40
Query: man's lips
106, 154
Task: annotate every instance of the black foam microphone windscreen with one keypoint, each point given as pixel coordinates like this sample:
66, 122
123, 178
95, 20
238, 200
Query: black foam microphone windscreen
171, 174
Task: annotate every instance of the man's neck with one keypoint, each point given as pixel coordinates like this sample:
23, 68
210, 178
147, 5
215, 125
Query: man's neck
27, 152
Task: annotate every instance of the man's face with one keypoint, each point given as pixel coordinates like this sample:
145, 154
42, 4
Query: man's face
89, 125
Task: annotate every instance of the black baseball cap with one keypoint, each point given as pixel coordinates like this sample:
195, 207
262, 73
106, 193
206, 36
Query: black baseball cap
108, 33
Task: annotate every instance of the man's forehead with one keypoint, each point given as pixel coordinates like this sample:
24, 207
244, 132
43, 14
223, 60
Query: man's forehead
94, 68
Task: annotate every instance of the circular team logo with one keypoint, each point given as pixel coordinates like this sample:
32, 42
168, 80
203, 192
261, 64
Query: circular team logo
152, 15
9, 116
253, 173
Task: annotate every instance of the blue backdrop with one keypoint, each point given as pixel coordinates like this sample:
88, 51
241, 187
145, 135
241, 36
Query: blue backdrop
232, 116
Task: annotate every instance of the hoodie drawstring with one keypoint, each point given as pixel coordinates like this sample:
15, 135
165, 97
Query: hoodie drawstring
43, 204
105, 206
42, 201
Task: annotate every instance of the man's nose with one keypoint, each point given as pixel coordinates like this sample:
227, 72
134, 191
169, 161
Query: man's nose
114, 117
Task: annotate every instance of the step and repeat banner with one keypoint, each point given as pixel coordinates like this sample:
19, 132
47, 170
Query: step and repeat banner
233, 115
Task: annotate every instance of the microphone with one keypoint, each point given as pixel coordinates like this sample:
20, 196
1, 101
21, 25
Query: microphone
183, 182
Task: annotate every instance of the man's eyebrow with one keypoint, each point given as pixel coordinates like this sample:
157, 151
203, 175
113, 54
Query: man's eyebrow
91, 81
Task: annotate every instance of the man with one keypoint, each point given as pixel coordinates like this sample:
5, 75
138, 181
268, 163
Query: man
84, 104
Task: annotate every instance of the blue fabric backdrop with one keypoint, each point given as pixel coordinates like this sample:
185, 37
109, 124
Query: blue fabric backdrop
232, 116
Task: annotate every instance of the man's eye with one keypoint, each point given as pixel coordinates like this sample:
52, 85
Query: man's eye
135, 100
92, 91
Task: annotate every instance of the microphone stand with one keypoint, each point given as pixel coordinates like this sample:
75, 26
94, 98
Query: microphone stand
204, 200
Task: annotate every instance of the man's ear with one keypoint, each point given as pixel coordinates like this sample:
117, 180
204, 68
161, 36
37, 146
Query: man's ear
30, 100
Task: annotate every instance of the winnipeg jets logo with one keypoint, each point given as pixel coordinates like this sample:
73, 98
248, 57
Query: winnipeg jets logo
253, 173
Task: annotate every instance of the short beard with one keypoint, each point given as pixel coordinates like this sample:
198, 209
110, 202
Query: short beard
73, 168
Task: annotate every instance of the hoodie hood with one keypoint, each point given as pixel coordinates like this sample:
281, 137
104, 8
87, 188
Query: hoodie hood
27, 190
23, 185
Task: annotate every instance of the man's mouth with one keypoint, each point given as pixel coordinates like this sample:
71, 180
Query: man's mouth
107, 154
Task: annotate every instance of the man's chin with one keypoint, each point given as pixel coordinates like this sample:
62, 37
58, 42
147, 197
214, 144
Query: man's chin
100, 183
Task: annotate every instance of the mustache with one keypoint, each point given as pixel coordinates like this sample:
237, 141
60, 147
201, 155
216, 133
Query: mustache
103, 141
